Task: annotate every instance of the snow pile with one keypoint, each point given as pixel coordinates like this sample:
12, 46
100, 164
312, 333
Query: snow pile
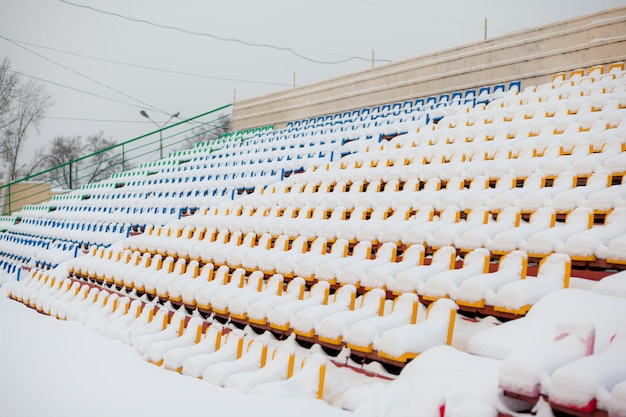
606, 313
442, 378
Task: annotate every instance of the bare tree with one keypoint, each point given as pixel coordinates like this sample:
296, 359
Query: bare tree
105, 160
22, 107
211, 131
81, 160
8, 87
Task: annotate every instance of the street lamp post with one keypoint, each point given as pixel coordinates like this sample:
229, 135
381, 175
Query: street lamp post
147, 116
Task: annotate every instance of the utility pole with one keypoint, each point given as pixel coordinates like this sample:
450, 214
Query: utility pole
485, 36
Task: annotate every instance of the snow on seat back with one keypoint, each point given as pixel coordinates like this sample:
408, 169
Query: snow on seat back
280, 316
332, 329
480, 290
259, 310
253, 283
590, 244
527, 370
584, 385
405, 342
519, 296
445, 283
363, 336
239, 305
278, 367
606, 313
413, 279
209, 342
304, 321
189, 336
356, 271
511, 239
553, 240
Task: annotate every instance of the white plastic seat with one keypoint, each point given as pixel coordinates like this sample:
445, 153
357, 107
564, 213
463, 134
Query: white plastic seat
228, 350
251, 359
511, 239
279, 368
518, 297
413, 279
364, 335
513, 196
281, 316
305, 321
330, 269
269, 261
576, 197
209, 342
238, 306
552, 240
356, 271
407, 341
307, 266
189, 336
450, 234
591, 244
253, 258
221, 301
202, 297
258, 311
543, 197
236, 257
393, 232
372, 229
233, 257
445, 283
332, 328
482, 235
423, 233
377, 276
287, 264
589, 377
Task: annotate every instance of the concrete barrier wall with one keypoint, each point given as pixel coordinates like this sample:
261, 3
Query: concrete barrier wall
532, 56
24, 193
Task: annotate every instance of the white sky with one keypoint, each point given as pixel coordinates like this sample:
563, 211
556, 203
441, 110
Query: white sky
395, 29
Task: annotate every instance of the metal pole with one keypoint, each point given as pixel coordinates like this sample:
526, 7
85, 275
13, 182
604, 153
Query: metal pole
373, 60
161, 143
485, 35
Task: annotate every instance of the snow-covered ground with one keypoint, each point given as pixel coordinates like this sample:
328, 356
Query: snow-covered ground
52, 368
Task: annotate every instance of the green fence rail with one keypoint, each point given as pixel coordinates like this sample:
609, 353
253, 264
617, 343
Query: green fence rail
110, 161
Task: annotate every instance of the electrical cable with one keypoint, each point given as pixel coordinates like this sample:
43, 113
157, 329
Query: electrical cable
154, 108
75, 89
445, 19
148, 67
221, 38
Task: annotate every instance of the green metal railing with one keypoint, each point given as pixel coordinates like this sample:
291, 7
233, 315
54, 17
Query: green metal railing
40, 187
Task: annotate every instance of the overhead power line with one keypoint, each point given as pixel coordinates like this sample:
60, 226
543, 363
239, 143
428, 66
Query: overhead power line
221, 38
430, 16
75, 89
149, 67
143, 103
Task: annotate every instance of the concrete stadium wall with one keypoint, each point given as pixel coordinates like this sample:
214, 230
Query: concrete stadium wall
26, 192
532, 56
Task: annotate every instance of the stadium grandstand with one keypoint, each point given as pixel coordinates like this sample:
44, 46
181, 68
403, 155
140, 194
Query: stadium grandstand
479, 222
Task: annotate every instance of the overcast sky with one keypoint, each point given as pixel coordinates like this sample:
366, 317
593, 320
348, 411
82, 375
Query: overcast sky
127, 66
